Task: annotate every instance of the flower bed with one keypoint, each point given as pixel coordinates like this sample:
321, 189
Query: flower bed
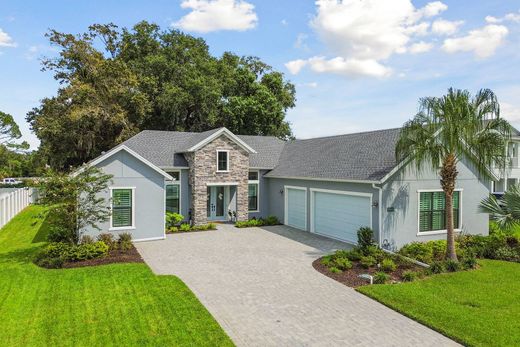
105, 250
254, 222
347, 266
185, 228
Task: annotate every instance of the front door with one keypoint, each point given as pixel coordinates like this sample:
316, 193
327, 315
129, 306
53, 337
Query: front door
216, 203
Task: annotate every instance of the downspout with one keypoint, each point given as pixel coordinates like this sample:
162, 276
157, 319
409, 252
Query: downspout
380, 219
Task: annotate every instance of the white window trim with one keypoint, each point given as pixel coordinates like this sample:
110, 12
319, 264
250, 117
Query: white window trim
171, 182
286, 204
257, 182
436, 232
131, 227
339, 192
227, 166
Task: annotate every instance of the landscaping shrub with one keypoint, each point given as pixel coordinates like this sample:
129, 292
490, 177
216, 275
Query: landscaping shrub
452, 265
212, 226
87, 251
436, 267
365, 237
505, 253
409, 276
388, 265
381, 277
438, 248
335, 270
420, 251
86, 239
108, 239
327, 260
173, 230
125, 241
185, 227
469, 263
353, 255
368, 261
173, 219
342, 263
271, 220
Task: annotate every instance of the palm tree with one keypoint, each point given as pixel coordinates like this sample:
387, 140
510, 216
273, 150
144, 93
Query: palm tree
506, 210
448, 129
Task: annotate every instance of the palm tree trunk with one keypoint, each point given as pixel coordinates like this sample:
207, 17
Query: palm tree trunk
448, 178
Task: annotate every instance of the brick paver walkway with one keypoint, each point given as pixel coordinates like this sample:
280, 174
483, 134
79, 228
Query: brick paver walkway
260, 286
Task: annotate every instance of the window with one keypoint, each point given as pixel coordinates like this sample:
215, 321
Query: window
253, 191
175, 174
122, 208
173, 198
253, 197
432, 211
173, 192
222, 161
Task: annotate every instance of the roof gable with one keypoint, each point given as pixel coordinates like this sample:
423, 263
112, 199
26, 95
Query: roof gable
129, 151
215, 134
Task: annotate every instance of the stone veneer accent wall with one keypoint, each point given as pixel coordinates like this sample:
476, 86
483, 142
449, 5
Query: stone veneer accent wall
203, 170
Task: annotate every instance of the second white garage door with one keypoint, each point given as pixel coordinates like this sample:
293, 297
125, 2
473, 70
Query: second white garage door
339, 214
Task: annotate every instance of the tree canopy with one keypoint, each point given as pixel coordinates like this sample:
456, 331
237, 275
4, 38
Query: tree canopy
116, 82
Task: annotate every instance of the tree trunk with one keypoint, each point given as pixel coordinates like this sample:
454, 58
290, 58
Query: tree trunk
448, 178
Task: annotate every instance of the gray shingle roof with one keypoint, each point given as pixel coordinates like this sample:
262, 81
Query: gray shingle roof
165, 148
366, 156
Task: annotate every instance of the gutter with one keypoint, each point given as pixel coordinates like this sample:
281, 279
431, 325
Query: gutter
380, 218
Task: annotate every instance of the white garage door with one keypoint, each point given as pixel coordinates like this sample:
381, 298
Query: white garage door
296, 207
339, 215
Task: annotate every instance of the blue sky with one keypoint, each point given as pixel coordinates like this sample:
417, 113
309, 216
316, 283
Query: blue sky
357, 64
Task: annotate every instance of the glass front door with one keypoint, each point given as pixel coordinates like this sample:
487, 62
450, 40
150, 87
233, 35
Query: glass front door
216, 201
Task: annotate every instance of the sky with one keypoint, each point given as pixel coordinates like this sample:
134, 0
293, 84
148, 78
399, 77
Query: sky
357, 64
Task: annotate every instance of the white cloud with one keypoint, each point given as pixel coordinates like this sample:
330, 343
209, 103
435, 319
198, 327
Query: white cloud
511, 17
446, 27
284, 22
432, 9
510, 112
295, 66
349, 67
215, 15
309, 84
6, 40
482, 42
363, 33
300, 41
420, 47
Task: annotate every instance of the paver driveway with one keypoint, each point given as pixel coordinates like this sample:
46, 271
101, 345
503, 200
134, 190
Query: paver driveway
260, 286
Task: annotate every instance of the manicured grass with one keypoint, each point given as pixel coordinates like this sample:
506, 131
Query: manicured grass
477, 308
120, 304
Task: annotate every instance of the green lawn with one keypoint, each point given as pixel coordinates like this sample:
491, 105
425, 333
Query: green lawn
477, 308
121, 304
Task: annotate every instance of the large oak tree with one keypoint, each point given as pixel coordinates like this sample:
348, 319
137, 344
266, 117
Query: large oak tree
116, 82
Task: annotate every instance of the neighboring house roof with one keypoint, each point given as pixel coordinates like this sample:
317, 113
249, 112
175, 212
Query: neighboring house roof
165, 148
367, 156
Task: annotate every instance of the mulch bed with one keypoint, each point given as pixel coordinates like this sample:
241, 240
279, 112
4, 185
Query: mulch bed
351, 277
115, 256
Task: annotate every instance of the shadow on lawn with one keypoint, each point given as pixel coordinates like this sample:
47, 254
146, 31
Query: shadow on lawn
19, 256
43, 230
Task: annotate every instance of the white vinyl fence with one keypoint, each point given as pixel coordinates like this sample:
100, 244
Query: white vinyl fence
12, 201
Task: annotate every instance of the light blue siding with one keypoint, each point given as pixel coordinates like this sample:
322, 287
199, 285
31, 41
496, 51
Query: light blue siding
297, 208
340, 215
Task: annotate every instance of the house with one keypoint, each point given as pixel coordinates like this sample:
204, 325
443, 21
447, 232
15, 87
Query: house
330, 186
510, 176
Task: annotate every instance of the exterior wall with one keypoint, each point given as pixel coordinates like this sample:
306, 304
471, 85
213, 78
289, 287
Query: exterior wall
276, 200
263, 196
185, 192
149, 199
203, 171
401, 193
